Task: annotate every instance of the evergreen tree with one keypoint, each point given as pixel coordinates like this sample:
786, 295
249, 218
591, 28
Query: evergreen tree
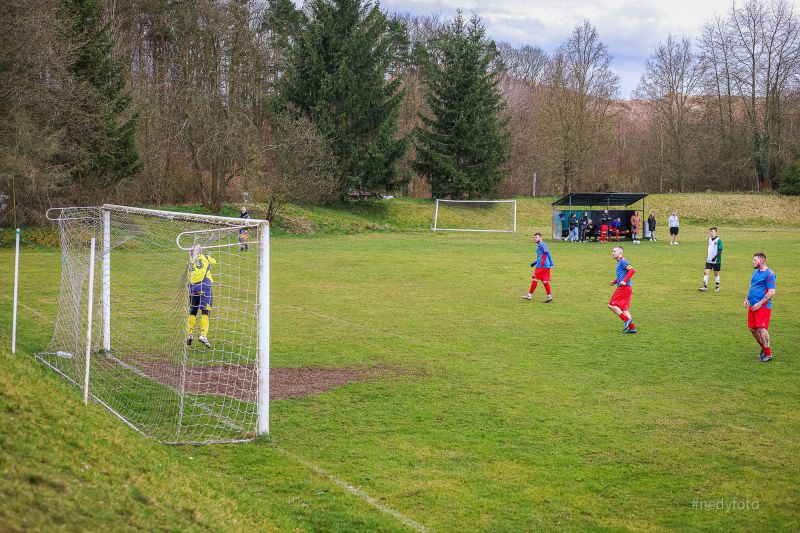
101, 122
790, 181
464, 142
339, 77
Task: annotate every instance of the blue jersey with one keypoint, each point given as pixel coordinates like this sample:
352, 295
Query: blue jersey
543, 257
623, 265
760, 283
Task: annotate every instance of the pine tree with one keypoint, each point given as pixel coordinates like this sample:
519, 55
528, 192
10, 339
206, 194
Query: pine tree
464, 142
102, 124
339, 78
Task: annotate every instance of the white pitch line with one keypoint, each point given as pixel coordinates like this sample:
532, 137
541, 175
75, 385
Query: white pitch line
355, 491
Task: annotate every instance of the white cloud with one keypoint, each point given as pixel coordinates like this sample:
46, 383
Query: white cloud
630, 28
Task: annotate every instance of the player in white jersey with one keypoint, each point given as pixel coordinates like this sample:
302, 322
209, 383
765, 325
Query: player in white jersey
713, 260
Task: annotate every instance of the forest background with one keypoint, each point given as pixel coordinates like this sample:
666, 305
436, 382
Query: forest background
154, 102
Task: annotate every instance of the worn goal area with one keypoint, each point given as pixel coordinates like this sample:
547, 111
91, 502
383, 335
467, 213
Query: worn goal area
122, 321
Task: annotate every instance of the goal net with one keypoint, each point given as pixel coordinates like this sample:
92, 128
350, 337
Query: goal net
475, 215
129, 343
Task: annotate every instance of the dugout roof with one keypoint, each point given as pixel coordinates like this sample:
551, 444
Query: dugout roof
602, 199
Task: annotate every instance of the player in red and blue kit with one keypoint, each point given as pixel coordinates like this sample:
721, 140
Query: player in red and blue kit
759, 304
620, 302
542, 266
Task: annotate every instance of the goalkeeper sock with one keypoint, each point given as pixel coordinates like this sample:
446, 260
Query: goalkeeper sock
190, 323
533, 287
204, 325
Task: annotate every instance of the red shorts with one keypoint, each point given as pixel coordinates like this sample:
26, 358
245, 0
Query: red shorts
542, 274
622, 297
758, 319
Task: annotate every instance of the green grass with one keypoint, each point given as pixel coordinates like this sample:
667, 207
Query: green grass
503, 415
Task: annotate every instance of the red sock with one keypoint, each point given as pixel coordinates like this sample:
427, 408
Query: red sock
632, 326
533, 287
767, 350
623, 317
546, 287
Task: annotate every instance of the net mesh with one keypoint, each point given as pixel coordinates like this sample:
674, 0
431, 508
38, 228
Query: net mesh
141, 367
484, 215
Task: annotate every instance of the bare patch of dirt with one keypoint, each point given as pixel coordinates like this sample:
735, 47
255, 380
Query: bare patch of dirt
240, 382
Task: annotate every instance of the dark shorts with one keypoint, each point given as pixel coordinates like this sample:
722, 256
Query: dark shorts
758, 319
542, 274
716, 267
673, 231
201, 297
622, 297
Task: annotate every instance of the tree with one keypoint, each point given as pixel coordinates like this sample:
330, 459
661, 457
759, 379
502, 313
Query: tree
103, 125
36, 90
672, 77
580, 89
338, 78
217, 75
765, 49
790, 181
298, 166
463, 144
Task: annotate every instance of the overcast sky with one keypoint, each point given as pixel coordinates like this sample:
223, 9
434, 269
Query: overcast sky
630, 28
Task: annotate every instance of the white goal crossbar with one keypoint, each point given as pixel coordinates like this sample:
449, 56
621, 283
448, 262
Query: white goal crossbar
436, 226
141, 369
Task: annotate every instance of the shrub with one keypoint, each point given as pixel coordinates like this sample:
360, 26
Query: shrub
790, 180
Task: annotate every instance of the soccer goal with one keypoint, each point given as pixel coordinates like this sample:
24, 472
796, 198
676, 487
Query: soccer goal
122, 328
475, 215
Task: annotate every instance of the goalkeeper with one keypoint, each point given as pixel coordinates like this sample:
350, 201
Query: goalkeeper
200, 293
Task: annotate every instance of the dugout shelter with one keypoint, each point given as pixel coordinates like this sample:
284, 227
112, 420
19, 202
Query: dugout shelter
618, 204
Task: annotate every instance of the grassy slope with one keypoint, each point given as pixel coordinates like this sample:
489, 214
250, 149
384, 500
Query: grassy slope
407, 214
66, 466
502, 419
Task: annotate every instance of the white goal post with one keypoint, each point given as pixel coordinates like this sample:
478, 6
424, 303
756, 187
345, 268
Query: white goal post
494, 216
130, 351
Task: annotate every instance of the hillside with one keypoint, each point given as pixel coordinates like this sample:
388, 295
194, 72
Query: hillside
408, 214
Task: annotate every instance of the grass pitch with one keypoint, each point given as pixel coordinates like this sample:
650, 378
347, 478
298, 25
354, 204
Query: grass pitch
503, 415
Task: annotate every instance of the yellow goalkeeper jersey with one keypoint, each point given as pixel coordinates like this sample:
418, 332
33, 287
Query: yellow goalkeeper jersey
200, 269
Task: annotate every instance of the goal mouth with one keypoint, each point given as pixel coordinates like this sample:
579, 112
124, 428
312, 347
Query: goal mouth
483, 216
127, 342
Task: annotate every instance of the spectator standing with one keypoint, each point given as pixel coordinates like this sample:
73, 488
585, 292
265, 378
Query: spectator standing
244, 235
674, 227
583, 225
651, 225
573, 227
636, 222
605, 223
